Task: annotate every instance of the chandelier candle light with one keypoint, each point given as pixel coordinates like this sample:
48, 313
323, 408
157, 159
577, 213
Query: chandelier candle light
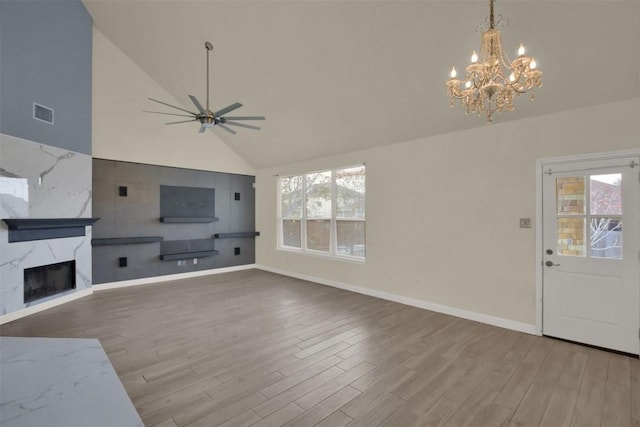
485, 89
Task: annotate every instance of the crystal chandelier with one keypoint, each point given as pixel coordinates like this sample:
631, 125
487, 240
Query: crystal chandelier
485, 89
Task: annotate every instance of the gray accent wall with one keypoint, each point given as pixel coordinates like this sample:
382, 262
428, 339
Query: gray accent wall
152, 193
45, 57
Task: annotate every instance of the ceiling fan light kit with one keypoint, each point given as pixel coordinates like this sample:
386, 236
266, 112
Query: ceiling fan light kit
206, 117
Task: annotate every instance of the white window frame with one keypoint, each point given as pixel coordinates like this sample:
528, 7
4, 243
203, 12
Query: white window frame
333, 231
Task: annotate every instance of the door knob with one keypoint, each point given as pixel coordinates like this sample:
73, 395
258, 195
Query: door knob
551, 264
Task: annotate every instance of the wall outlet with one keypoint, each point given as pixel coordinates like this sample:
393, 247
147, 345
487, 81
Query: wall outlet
195, 260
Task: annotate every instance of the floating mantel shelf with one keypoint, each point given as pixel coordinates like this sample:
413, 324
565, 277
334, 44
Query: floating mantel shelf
236, 235
138, 240
187, 219
188, 255
27, 229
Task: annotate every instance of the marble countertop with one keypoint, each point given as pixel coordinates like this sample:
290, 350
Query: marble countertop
61, 382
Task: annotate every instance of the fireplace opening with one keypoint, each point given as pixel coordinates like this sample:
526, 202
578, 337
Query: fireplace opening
46, 280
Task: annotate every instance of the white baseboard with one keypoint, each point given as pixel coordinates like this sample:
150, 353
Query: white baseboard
10, 317
453, 311
170, 277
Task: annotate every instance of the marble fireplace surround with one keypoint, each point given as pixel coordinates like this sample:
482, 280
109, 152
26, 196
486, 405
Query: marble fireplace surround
41, 182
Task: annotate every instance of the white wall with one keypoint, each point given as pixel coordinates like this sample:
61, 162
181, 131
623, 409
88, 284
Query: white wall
121, 131
443, 212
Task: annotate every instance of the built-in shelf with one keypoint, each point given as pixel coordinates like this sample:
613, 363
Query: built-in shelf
187, 219
236, 235
138, 240
27, 229
188, 255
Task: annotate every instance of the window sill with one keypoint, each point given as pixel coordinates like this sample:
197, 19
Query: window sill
323, 255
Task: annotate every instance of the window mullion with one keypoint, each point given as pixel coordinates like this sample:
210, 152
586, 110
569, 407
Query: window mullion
587, 216
333, 237
303, 220
280, 225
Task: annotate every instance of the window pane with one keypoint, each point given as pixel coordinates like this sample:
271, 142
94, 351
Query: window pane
291, 233
570, 195
571, 236
291, 189
318, 235
606, 194
319, 195
350, 185
606, 238
351, 238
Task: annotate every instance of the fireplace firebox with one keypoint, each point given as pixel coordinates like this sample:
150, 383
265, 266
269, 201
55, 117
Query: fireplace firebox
46, 280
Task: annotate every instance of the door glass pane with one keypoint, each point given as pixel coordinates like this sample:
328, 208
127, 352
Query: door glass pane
291, 233
570, 195
351, 237
606, 194
571, 236
291, 190
318, 235
319, 195
350, 192
606, 237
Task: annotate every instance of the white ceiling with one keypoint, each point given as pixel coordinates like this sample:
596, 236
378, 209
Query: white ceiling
339, 76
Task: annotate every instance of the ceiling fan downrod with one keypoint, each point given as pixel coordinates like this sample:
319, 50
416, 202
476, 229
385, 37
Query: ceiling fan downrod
209, 48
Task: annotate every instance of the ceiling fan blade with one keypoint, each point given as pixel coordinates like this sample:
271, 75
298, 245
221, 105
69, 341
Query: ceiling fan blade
197, 104
228, 129
203, 129
228, 109
172, 106
181, 121
245, 118
168, 114
242, 125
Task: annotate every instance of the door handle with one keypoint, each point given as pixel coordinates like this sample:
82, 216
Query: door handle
551, 264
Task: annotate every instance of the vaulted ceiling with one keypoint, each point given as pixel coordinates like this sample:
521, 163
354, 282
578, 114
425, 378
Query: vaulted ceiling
340, 76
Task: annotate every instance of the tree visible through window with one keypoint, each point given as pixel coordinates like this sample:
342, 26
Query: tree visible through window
324, 212
590, 215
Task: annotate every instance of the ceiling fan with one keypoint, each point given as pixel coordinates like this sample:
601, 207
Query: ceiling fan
206, 117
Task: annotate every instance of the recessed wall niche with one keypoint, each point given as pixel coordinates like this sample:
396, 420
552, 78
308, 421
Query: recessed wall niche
169, 215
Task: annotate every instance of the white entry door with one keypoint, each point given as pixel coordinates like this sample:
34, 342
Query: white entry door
591, 252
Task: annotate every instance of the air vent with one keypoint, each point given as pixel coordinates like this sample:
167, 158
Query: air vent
42, 113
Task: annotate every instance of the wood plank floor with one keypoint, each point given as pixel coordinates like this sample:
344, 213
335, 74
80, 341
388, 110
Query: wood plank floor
255, 348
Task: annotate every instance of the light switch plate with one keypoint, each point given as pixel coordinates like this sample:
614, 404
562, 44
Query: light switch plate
525, 222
